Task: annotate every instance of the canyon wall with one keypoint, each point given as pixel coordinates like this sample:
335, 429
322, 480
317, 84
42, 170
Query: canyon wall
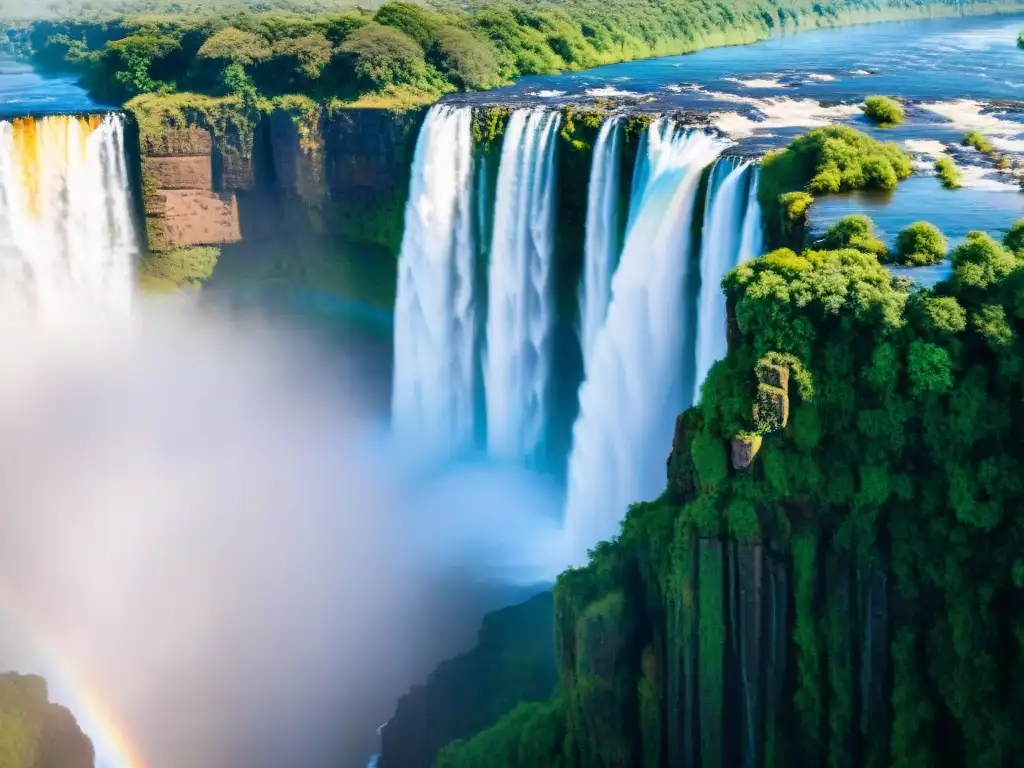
297, 199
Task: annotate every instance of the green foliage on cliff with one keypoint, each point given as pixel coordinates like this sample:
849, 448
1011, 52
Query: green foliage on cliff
826, 160
870, 613
332, 49
513, 662
35, 733
883, 111
1020, 40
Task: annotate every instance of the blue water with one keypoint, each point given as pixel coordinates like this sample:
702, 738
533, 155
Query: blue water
932, 59
24, 91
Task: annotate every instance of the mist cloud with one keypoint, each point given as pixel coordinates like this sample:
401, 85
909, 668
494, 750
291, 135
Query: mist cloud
204, 521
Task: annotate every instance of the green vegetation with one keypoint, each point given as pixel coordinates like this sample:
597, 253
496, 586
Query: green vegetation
401, 53
846, 590
920, 245
1020, 40
981, 143
857, 232
948, 172
188, 267
883, 111
35, 733
513, 662
826, 160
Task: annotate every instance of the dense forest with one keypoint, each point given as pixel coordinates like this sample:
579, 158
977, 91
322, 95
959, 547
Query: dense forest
399, 53
833, 575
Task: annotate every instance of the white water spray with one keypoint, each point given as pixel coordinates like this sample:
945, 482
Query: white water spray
67, 239
601, 245
720, 247
435, 308
635, 386
752, 241
520, 310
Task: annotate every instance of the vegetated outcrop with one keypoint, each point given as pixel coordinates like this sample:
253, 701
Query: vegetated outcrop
291, 195
834, 573
35, 733
513, 661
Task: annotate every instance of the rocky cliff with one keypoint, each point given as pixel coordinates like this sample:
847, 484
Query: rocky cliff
35, 733
297, 196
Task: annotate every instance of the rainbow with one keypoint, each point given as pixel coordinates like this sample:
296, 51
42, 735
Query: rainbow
70, 689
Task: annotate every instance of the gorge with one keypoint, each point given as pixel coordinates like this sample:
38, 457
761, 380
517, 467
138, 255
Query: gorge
529, 288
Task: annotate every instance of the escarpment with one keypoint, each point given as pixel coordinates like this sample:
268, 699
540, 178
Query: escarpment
294, 194
35, 733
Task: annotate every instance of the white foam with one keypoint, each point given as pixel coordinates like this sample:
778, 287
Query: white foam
611, 92
546, 94
969, 115
976, 177
757, 82
821, 78
929, 147
781, 113
861, 72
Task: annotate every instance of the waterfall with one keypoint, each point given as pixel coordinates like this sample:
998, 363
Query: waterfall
635, 386
435, 321
752, 241
520, 307
720, 250
601, 245
67, 237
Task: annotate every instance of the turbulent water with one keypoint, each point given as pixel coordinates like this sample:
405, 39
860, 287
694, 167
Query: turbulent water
67, 239
601, 246
637, 379
435, 308
727, 200
520, 306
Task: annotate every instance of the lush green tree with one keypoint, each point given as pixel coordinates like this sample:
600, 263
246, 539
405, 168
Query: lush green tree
235, 46
132, 59
857, 231
1014, 239
470, 63
383, 56
921, 244
1020, 40
978, 263
882, 110
419, 23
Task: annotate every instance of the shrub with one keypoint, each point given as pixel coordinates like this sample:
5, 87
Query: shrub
417, 22
1020, 40
921, 244
235, 46
882, 110
977, 140
306, 56
470, 63
948, 173
857, 232
1014, 239
382, 57
978, 262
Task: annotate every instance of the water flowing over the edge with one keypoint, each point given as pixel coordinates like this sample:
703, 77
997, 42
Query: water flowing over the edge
636, 384
721, 238
67, 236
601, 245
435, 311
520, 307
752, 241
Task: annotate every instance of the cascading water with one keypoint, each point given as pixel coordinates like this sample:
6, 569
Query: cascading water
601, 245
752, 240
720, 248
635, 386
67, 238
520, 307
435, 313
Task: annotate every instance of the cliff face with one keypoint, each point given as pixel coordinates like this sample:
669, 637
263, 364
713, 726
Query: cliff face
35, 733
513, 661
296, 196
